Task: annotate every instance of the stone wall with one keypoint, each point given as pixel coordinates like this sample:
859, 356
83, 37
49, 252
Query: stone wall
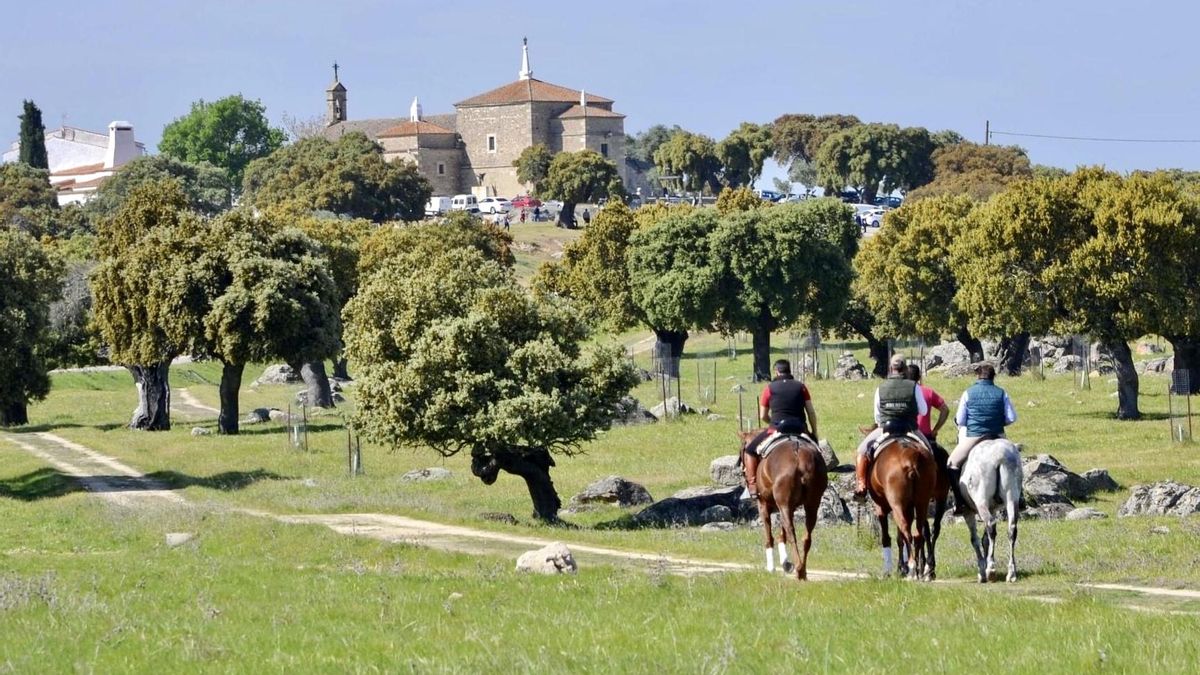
510, 124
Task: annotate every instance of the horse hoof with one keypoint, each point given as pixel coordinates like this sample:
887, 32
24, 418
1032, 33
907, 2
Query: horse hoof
788, 567
983, 579
1012, 577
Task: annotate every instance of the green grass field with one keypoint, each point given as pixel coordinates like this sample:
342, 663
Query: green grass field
89, 585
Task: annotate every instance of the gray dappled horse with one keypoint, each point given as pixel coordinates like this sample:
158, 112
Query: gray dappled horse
991, 477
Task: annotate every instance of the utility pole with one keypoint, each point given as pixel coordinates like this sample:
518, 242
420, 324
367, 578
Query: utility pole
987, 131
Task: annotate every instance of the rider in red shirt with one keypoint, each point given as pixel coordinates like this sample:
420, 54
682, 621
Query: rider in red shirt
786, 406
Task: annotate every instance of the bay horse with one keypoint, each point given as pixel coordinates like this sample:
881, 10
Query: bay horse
992, 477
901, 481
792, 475
941, 496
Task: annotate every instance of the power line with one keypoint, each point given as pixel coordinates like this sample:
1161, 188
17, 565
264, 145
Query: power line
1095, 139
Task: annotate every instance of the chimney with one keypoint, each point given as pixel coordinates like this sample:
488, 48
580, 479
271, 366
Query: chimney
121, 146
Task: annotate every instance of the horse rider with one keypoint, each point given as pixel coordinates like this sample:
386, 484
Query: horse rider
933, 401
983, 412
898, 404
786, 406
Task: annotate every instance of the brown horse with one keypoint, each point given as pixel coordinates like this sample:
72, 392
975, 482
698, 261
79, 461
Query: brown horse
902, 481
941, 495
793, 475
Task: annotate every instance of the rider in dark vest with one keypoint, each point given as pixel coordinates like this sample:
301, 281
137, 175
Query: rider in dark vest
898, 402
786, 406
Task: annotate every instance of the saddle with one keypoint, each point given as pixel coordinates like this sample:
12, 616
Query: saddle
779, 438
890, 439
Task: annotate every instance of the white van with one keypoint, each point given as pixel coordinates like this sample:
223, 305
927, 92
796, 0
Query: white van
466, 203
437, 206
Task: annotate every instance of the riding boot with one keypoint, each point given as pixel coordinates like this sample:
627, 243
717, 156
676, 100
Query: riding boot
750, 464
860, 474
955, 474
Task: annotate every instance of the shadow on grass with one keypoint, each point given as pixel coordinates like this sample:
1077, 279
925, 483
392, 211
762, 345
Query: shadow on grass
1105, 415
226, 481
55, 426
269, 428
45, 483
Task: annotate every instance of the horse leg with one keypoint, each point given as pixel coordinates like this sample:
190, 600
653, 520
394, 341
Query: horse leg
787, 536
990, 523
764, 514
885, 540
1013, 515
902, 518
969, 517
810, 521
789, 533
921, 541
939, 510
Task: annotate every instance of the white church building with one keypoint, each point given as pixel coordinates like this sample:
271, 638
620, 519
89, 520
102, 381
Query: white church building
81, 160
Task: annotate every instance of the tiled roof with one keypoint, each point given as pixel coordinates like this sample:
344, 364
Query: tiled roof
372, 127
411, 128
592, 111
72, 186
529, 90
79, 170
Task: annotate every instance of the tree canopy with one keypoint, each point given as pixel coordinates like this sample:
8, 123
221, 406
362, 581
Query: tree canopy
978, 171
456, 232
24, 187
206, 188
347, 177
874, 157
32, 280
691, 157
580, 177
452, 354
228, 133
743, 152
738, 199
32, 141
533, 164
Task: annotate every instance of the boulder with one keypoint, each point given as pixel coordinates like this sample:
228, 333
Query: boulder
1067, 364
945, 355
1085, 513
499, 517
277, 374
613, 490
1146, 348
302, 396
1098, 480
827, 453
179, 538
714, 417
849, 368
555, 558
833, 510
257, 416
1056, 511
426, 475
726, 471
630, 412
200, 431
1047, 481
672, 406
1156, 366
965, 369
716, 514
686, 506
718, 526
276, 415
1166, 498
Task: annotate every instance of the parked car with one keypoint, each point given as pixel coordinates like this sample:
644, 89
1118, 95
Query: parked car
768, 195
525, 202
466, 203
792, 197
553, 205
437, 206
873, 217
889, 201
851, 197
495, 205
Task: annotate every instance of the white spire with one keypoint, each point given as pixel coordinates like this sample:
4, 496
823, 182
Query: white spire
525, 73
582, 99
414, 111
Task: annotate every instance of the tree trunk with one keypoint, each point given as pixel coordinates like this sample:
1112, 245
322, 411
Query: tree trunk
1187, 358
533, 466
876, 347
1012, 353
14, 414
231, 385
762, 353
1127, 380
974, 347
154, 397
669, 342
868, 194
320, 395
566, 217
340, 371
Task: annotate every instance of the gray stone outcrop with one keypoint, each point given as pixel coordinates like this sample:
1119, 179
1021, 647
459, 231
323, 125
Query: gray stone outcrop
613, 490
555, 558
1165, 498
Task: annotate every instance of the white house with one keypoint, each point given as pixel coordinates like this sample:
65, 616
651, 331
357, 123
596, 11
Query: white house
80, 160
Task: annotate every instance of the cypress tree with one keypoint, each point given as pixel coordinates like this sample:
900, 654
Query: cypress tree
33, 138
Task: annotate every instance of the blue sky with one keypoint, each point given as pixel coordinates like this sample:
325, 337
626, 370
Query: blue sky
1102, 69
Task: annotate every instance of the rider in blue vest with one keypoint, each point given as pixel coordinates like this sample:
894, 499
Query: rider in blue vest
983, 412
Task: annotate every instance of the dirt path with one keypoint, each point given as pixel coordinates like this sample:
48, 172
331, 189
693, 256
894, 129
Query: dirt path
122, 484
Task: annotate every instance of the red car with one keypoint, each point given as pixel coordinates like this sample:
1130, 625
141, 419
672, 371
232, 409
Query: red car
525, 202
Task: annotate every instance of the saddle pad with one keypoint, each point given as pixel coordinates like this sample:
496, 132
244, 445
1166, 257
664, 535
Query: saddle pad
776, 440
888, 440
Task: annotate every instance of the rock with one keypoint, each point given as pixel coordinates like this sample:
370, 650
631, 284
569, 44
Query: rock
1161, 529
277, 415
1145, 348
725, 471
277, 374
719, 526
555, 558
309, 482
686, 506
965, 369
498, 517
1156, 366
827, 453
630, 412
200, 431
179, 538
849, 368
716, 514
673, 406
257, 416
945, 355
714, 417
1085, 514
335, 396
1054, 511
1067, 364
833, 510
613, 490
645, 375
1098, 480
1166, 498
426, 475
1047, 481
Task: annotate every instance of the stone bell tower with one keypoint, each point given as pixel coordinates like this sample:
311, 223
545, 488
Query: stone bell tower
335, 100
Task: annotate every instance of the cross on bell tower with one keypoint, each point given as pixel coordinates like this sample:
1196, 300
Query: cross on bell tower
335, 100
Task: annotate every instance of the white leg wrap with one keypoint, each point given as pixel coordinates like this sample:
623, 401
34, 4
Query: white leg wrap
770, 559
783, 557
887, 560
